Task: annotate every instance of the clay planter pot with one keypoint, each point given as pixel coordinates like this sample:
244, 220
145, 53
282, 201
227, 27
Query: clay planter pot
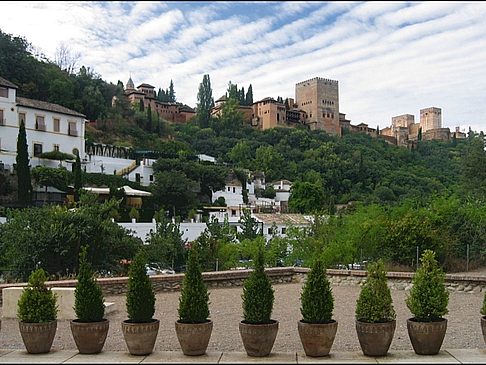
38, 337
483, 327
140, 337
317, 338
375, 338
194, 337
426, 337
258, 339
89, 337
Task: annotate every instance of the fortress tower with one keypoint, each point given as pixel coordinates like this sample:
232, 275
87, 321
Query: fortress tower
430, 118
319, 98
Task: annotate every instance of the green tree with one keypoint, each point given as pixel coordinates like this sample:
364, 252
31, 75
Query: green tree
149, 119
194, 298
141, 106
428, 298
249, 96
172, 97
88, 299
205, 102
306, 197
317, 302
23, 168
473, 163
140, 297
249, 226
258, 294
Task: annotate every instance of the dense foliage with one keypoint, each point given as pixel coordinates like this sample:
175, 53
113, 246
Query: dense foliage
51, 236
89, 303
428, 298
317, 302
140, 297
37, 303
194, 298
258, 294
375, 304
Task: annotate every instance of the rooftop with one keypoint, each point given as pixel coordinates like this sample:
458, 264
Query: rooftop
43, 105
7, 83
270, 218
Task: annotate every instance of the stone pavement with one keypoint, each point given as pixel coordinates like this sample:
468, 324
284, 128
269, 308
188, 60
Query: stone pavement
453, 356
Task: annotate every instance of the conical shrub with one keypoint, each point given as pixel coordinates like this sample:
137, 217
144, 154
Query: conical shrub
140, 294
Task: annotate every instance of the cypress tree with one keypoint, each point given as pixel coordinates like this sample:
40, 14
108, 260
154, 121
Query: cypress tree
78, 184
141, 106
205, 102
317, 302
149, 118
172, 97
249, 96
23, 168
140, 294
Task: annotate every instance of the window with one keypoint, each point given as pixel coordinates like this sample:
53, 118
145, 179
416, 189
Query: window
151, 177
2, 119
37, 149
39, 123
72, 129
284, 229
137, 177
233, 212
56, 147
269, 231
56, 124
234, 190
21, 118
3, 92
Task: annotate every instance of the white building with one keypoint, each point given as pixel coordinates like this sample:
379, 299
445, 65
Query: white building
48, 126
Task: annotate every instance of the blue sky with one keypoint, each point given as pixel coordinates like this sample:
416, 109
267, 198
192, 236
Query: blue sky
390, 58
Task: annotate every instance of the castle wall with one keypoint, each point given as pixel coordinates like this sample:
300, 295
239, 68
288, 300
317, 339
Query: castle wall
441, 134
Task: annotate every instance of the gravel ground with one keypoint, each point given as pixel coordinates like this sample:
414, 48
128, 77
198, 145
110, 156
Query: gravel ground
464, 330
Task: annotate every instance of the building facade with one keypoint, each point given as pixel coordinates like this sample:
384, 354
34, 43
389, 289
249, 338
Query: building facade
49, 127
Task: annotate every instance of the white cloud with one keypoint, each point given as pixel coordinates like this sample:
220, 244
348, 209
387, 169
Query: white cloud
389, 58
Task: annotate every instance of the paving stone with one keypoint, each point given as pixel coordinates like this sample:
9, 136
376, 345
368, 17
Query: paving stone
22, 356
158, 357
108, 357
243, 358
409, 356
469, 356
341, 357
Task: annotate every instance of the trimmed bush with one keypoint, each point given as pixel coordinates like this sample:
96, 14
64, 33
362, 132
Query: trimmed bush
317, 302
37, 304
194, 298
258, 294
428, 298
140, 293
89, 303
374, 304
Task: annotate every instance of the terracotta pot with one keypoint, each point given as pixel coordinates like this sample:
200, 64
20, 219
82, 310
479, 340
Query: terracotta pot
317, 338
38, 337
375, 338
140, 337
426, 337
258, 339
194, 337
483, 327
89, 337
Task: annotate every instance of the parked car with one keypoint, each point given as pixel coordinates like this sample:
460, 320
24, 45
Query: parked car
167, 272
152, 269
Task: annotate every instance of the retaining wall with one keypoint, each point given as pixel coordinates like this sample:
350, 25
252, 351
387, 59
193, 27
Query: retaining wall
278, 275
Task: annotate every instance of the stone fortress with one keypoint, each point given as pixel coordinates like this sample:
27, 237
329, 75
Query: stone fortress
316, 105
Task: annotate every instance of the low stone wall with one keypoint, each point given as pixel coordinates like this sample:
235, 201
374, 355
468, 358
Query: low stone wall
278, 275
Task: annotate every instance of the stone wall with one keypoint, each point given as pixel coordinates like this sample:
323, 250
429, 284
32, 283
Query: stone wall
278, 275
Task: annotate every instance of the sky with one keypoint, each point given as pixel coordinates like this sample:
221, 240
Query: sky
390, 58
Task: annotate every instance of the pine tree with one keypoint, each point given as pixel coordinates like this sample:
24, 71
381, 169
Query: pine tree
140, 294
23, 168
78, 184
172, 97
205, 102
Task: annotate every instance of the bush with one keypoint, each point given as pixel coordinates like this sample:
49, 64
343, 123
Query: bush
37, 304
89, 303
317, 302
374, 304
194, 299
428, 298
258, 295
483, 308
140, 294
